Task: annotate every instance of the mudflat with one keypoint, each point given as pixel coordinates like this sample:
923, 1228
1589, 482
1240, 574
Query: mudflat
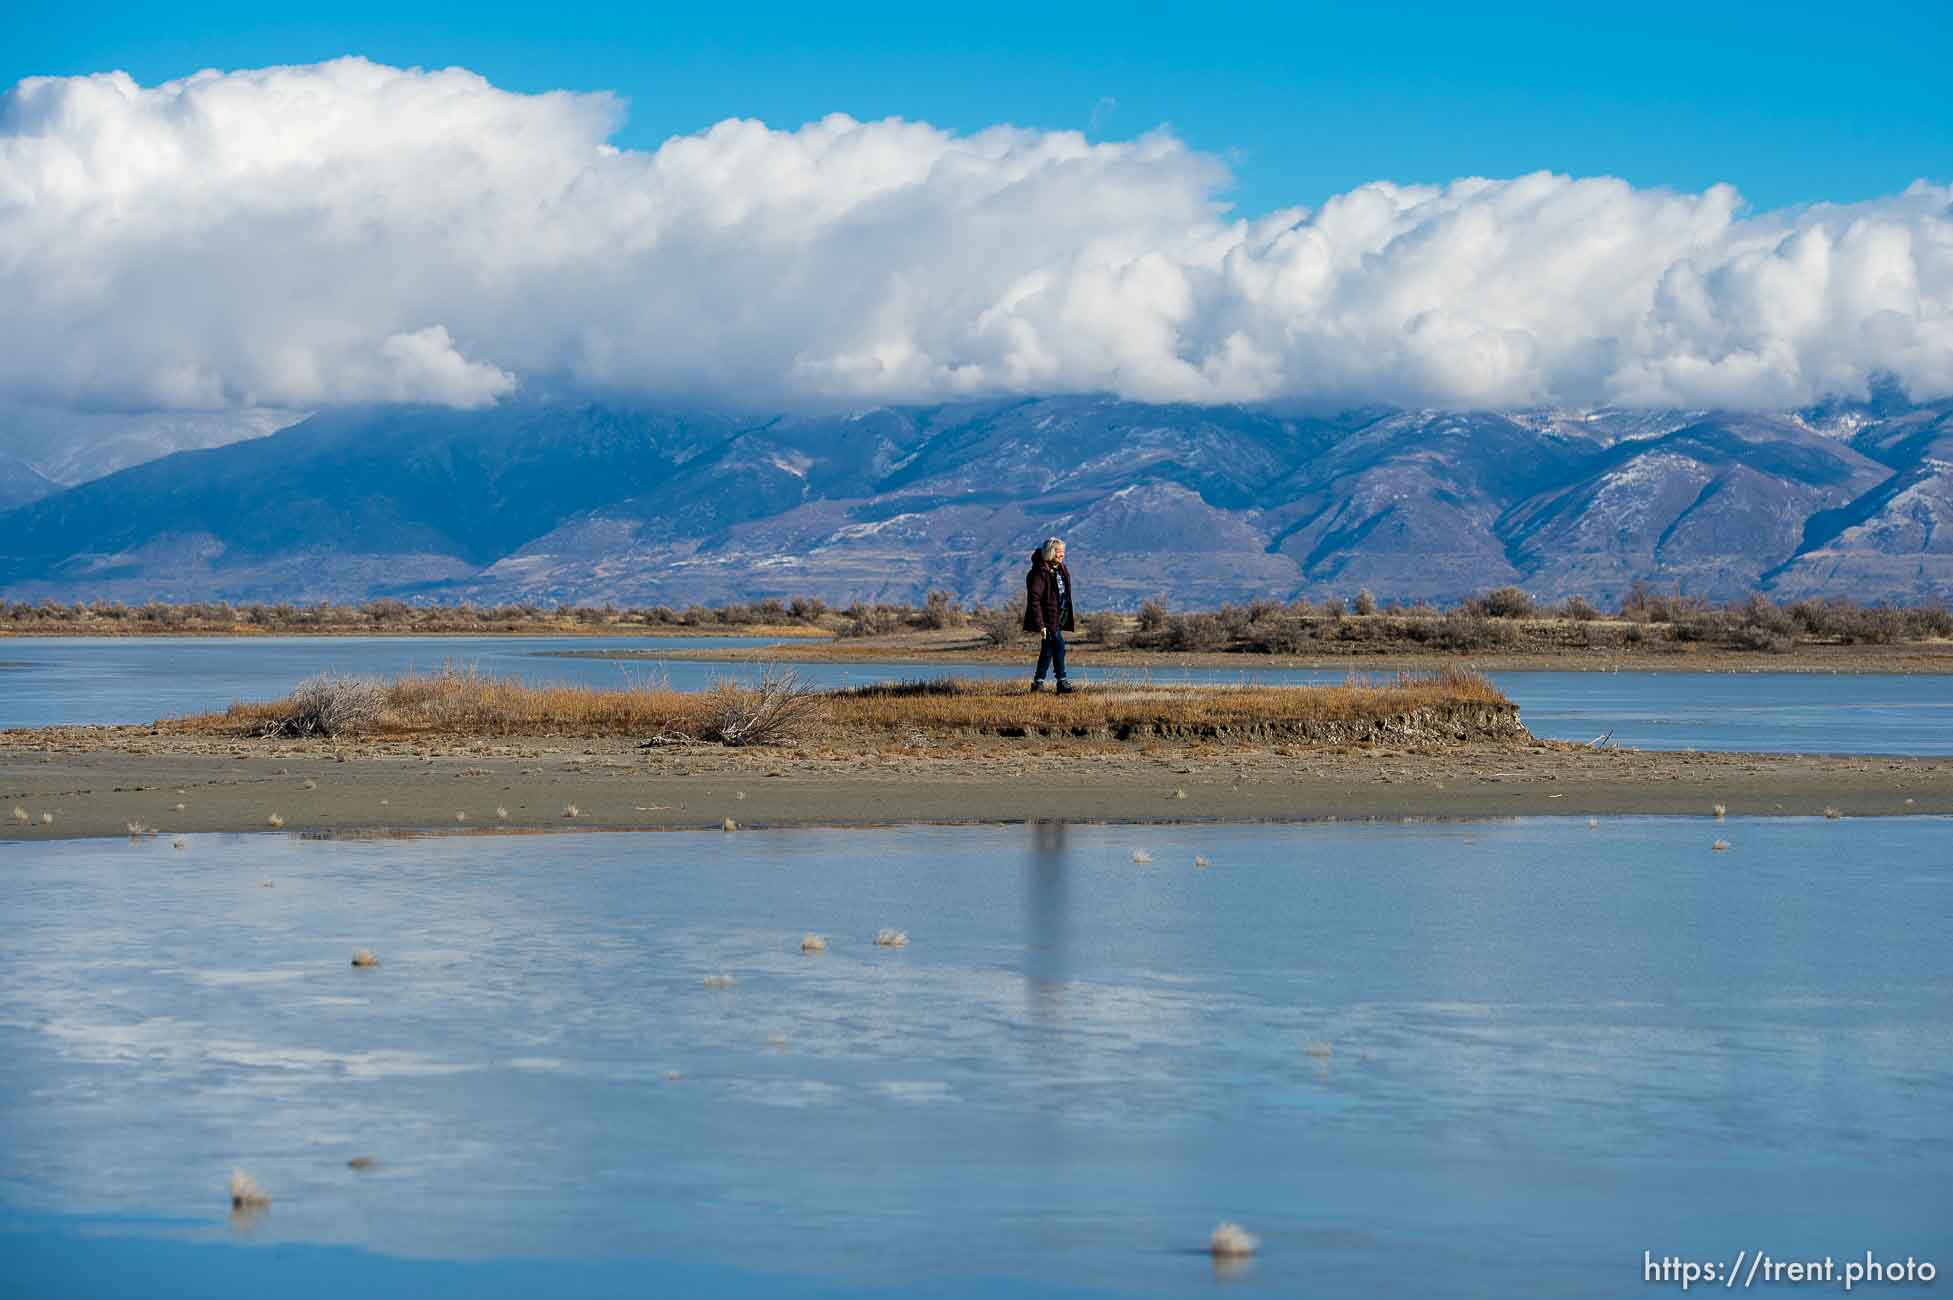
100, 781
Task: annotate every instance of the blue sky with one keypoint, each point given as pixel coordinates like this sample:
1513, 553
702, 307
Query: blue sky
1792, 103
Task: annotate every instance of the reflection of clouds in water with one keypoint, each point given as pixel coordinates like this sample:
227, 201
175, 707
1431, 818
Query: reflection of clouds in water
221, 979
795, 1093
919, 1090
1059, 1008
181, 1045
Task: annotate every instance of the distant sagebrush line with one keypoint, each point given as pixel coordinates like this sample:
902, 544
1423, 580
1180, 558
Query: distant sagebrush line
780, 709
1502, 618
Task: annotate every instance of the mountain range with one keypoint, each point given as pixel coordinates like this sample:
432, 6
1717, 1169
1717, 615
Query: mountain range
589, 501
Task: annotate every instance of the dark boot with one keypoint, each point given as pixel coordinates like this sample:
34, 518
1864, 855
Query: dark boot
1037, 684
1065, 687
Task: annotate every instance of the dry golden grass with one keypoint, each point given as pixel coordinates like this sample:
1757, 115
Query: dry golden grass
246, 1191
1231, 1240
469, 704
988, 705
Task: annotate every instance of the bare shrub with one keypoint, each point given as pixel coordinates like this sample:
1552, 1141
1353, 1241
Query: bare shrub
1644, 604
1332, 608
328, 705
1881, 625
1103, 627
1929, 620
1192, 632
1234, 620
1002, 624
940, 610
1753, 637
1195, 632
871, 620
1460, 631
1502, 602
1813, 617
1579, 609
1153, 615
776, 711
1284, 636
387, 611
1761, 613
1847, 621
1707, 628
1365, 603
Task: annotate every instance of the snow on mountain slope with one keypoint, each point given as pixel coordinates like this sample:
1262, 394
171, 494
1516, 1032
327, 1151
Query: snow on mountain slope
559, 500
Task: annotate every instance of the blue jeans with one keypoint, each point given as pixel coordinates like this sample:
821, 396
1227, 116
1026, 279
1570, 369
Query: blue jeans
1051, 655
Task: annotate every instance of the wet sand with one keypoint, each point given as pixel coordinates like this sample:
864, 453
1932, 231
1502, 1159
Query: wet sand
98, 781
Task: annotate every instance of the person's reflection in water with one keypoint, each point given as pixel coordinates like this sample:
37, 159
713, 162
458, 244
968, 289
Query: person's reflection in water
1045, 967
1050, 1053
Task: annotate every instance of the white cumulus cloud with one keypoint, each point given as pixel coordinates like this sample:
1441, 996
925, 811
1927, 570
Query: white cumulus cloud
302, 236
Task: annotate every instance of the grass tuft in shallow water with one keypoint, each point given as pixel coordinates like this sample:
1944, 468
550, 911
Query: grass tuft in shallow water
247, 1192
1231, 1239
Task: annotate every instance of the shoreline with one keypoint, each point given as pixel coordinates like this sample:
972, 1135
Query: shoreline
538, 631
1895, 661
946, 649
131, 777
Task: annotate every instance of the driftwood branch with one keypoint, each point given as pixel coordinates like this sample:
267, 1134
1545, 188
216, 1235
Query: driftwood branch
330, 706
776, 711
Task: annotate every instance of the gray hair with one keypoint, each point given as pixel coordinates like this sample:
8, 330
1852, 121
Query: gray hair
1050, 548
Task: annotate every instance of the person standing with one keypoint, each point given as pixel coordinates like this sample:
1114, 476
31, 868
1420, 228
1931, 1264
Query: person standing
1048, 601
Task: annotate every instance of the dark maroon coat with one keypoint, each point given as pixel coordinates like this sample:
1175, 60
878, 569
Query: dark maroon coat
1041, 603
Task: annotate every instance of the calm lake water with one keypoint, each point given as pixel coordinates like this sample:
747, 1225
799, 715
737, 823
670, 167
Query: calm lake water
1469, 1059
94, 680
